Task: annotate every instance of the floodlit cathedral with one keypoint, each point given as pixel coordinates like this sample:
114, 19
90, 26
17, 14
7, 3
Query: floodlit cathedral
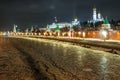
96, 16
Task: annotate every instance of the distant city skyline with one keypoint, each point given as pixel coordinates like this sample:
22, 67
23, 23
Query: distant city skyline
25, 13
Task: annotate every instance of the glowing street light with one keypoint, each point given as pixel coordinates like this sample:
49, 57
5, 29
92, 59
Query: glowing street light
83, 35
69, 34
44, 33
39, 34
79, 33
58, 33
29, 33
35, 34
104, 34
63, 34
32, 34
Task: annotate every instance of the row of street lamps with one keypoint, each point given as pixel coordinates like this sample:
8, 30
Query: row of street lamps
58, 34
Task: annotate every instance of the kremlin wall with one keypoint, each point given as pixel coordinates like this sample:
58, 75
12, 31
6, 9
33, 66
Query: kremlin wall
105, 31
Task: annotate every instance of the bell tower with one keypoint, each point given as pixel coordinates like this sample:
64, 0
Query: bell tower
94, 14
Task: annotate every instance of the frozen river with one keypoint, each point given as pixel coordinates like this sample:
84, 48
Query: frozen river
54, 60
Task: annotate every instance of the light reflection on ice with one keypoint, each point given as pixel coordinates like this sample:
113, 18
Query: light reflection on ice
104, 60
103, 67
76, 59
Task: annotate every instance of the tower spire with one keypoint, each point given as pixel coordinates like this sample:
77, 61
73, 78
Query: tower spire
56, 20
106, 20
94, 14
14, 28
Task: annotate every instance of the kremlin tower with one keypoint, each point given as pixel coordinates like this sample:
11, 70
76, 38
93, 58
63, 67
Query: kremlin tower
14, 28
106, 25
96, 16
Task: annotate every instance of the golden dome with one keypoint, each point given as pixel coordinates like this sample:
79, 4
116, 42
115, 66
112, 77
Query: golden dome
75, 19
94, 8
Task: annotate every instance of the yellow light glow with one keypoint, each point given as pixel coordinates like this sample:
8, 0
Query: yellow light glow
83, 34
69, 34
79, 33
76, 19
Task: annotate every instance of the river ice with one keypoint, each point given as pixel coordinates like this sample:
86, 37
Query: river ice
55, 60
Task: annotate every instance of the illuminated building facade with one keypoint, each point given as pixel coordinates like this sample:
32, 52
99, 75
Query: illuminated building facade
61, 25
64, 24
75, 22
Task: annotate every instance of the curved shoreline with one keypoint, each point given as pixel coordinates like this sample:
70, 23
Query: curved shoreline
111, 47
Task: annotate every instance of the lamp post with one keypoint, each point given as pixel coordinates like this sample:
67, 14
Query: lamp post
104, 34
83, 35
69, 34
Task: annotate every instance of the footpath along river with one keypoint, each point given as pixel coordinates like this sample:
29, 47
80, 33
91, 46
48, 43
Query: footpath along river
42, 59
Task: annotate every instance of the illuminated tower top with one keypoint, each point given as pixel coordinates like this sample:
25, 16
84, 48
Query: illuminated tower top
106, 25
99, 15
57, 28
94, 14
32, 29
75, 22
94, 9
14, 28
76, 19
106, 21
56, 20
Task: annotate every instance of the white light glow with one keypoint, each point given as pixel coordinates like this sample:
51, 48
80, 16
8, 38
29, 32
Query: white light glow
84, 34
69, 34
104, 33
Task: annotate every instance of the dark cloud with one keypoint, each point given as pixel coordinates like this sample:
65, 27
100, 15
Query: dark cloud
28, 12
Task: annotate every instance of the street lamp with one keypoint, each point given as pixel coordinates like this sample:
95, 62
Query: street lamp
50, 33
69, 34
83, 35
39, 33
104, 34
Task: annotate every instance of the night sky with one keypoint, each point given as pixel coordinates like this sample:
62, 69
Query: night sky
25, 13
